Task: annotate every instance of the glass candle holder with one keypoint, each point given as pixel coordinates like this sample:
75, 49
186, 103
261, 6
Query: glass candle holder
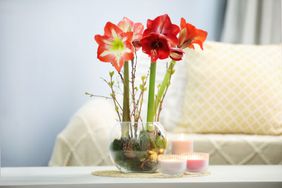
197, 162
181, 145
172, 165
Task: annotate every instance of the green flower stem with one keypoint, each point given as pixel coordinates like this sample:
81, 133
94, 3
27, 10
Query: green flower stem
151, 96
164, 85
126, 110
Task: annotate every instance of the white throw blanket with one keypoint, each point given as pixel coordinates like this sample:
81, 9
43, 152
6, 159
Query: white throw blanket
85, 140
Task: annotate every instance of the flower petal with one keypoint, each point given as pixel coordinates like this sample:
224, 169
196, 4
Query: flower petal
156, 46
126, 25
190, 35
138, 29
112, 30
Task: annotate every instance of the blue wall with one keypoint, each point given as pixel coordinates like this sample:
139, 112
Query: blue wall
48, 60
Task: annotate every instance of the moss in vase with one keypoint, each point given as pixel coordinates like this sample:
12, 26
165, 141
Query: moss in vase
117, 145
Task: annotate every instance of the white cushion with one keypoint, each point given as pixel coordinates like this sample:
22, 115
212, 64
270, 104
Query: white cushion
233, 88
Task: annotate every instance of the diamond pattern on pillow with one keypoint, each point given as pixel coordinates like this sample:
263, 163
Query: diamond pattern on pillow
233, 89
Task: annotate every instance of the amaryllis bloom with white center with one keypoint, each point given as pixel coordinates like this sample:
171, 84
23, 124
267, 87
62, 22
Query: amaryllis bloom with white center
115, 46
126, 25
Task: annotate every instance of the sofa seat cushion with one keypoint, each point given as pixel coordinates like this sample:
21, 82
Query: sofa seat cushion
237, 149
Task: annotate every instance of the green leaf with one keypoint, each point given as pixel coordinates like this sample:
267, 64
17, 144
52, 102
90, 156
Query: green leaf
161, 142
111, 73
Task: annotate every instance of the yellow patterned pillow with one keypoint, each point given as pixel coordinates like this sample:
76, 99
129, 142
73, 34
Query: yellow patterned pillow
233, 89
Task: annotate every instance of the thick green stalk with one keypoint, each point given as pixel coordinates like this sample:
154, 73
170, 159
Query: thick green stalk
151, 96
165, 83
126, 110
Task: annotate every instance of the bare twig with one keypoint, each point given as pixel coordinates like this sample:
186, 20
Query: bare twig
93, 95
133, 89
139, 102
112, 91
113, 95
133, 67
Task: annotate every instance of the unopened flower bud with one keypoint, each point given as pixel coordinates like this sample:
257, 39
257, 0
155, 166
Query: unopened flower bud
176, 54
136, 43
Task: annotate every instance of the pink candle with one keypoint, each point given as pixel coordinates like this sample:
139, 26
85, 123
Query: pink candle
181, 146
197, 162
172, 165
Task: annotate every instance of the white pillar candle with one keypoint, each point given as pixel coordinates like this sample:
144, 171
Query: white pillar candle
172, 165
197, 162
181, 146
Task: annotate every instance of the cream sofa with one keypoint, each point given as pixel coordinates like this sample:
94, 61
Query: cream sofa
85, 140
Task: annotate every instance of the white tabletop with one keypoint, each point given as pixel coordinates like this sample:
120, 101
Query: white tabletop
74, 177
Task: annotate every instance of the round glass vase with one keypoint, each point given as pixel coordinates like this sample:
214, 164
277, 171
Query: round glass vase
135, 147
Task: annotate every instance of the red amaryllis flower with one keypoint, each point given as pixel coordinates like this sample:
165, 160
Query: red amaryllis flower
162, 25
115, 46
126, 25
159, 37
156, 46
190, 35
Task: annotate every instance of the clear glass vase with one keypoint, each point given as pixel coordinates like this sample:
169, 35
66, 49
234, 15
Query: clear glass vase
135, 147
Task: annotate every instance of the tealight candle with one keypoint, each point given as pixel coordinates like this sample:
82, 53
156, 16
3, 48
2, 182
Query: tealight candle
197, 162
181, 146
173, 165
